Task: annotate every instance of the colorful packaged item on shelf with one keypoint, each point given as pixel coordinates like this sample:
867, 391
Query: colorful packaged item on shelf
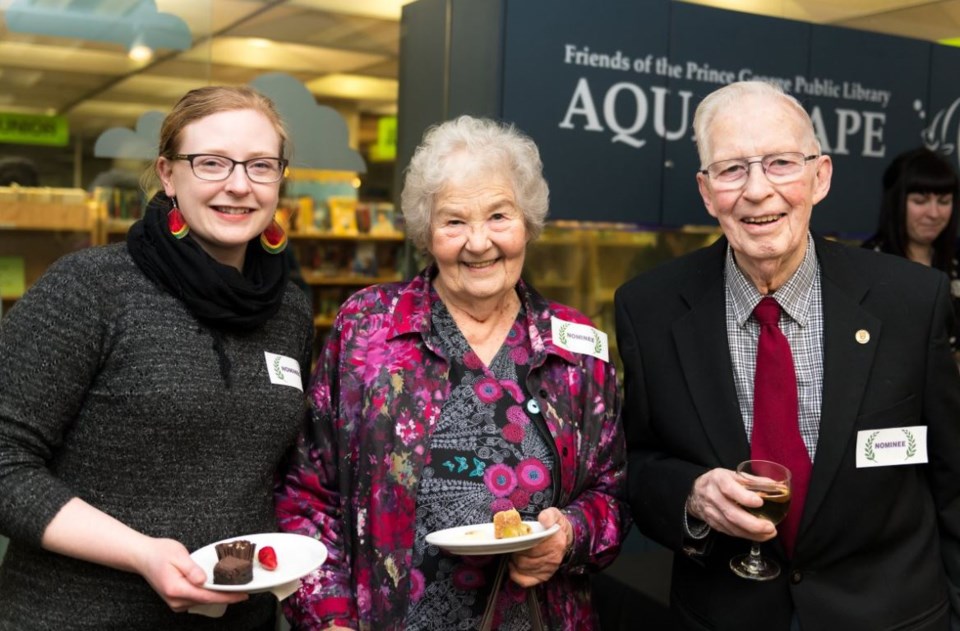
363, 217
365, 259
384, 219
343, 215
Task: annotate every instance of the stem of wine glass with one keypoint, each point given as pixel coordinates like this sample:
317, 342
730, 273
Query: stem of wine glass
755, 563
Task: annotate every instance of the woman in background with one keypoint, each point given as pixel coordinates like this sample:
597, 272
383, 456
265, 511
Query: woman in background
442, 401
140, 414
918, 217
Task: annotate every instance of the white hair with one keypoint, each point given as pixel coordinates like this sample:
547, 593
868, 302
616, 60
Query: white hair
491, 145
730, 95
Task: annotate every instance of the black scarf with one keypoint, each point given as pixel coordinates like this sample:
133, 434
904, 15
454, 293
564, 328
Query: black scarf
218, 295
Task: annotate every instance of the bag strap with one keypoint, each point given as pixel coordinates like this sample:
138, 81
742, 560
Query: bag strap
486, 623
533, 603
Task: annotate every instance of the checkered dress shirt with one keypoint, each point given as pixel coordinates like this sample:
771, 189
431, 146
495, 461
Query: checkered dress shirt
801, 321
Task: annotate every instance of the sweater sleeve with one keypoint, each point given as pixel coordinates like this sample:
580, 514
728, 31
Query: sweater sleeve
50, 345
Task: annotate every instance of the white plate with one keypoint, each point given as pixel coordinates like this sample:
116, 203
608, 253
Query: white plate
479, 539
297, 556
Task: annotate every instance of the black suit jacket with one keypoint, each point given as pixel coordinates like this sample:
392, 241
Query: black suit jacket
878, 548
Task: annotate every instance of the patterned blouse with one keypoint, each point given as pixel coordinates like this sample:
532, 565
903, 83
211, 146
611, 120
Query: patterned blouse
487, 454
376, 404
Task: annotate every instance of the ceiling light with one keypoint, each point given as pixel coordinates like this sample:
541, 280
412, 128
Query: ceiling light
259, 42
140, 53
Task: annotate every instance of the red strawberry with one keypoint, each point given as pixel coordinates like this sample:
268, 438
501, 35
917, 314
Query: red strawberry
267, 558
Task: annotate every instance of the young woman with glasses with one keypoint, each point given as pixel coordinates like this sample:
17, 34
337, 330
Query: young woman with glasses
140, 415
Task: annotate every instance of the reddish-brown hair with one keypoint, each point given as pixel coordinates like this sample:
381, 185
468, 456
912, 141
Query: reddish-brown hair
203, 102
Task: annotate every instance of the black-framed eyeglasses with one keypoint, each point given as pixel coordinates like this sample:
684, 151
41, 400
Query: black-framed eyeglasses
214, 168
780, 168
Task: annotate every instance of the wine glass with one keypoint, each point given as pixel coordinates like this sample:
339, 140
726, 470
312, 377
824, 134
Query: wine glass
771, 481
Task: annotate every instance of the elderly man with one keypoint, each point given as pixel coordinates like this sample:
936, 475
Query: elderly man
775, 344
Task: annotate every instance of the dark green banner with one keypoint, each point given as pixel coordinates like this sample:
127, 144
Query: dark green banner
31, 129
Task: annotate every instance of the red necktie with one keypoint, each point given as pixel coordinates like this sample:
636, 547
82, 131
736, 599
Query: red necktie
776, 429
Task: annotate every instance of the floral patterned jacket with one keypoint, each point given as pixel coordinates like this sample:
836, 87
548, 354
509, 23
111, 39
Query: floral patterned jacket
376, 394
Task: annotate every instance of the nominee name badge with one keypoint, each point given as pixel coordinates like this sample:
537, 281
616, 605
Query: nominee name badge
283, 370
580, 338
892, 446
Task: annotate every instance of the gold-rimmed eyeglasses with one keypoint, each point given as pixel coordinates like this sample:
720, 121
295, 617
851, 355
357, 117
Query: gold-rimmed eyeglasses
214, 168
779, 168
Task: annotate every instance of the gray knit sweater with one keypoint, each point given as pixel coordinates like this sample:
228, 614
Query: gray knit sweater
110, 391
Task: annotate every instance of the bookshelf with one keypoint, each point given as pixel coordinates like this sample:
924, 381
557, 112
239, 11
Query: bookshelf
580, 265
334, 266
37, 227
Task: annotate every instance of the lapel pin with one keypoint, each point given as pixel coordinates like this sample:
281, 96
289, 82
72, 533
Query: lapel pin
863, 336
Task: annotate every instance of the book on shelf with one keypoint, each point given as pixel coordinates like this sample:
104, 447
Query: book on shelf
120, 203
384, 218
365, 259
343, 215
12, 276
319, 187
363, 217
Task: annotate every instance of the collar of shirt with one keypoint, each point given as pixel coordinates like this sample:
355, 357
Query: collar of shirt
793, 297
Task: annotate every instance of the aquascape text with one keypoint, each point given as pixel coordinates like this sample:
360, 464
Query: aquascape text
625, 110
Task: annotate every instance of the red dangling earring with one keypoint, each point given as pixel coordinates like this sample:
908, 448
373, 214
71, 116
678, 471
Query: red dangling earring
274, 239
175, 221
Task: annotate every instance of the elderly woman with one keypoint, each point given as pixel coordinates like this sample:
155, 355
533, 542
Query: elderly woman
442, 401
918, 217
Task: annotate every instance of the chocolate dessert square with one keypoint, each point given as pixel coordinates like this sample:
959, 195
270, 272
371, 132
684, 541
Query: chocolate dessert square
231, 570
241, 548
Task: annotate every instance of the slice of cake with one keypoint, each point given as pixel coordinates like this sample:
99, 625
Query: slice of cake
507, 523
231, 570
